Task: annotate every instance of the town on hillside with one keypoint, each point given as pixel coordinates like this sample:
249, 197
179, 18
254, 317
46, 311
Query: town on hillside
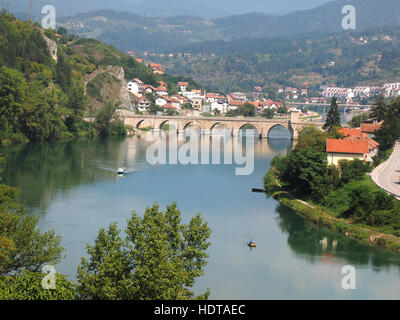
260, 97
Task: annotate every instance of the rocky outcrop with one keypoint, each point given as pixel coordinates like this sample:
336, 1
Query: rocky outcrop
117, 73
51, 46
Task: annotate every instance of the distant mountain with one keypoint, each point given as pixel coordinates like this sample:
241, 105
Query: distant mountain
134, 32
353, 58
206, 9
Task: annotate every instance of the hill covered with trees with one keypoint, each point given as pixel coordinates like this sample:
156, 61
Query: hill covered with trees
132, 31
45, 79
345, 58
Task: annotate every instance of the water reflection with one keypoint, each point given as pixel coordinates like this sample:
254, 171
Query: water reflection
318, 245
74, 187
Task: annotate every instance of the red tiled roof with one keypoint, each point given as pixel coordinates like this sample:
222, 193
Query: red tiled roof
183, 84
370, 127
357, 146
348, 132
168, 106
236, 103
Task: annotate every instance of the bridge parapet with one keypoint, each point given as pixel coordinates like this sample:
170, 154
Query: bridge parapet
263, 126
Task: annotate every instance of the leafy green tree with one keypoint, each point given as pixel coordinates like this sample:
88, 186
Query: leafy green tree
42, 116
268, 113
353, 170
306, 172
28, 286
159, 259
104, 117
22, 245
12, 86
390, 129
154, 109
247, 110
77, 103
333, 117
380, 109
358, 120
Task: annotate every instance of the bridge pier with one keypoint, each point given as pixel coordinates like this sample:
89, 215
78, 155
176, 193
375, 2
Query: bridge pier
235, 132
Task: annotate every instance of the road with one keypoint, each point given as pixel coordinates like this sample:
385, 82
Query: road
387, 174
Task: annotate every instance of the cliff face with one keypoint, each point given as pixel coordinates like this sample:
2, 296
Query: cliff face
51, 45
107, 83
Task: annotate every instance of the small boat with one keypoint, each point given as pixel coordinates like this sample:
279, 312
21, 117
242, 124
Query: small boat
121, 171
252, 244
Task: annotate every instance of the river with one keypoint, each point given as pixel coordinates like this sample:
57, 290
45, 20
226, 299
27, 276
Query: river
73, 188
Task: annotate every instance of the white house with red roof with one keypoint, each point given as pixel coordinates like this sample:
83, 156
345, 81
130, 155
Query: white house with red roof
182, 86
354, 145
136, 87
143, 104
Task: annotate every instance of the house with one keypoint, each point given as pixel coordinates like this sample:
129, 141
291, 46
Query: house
370, 128
197, 103
304, 92
164, 100
234, 104
194, 94
237, 96
161, 91
143, 104
136, 87
182, 100
350, 148
222, 107
157, 68
214, 97
148, 88
169, 106
182, 86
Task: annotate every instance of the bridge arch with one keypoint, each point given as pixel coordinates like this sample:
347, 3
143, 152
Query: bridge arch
171, 122
289, 130
256, 127
222, 123
143, 123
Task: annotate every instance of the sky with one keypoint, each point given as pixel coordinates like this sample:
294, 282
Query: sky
204, 8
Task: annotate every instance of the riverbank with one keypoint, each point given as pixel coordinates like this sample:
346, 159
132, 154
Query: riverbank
318, 216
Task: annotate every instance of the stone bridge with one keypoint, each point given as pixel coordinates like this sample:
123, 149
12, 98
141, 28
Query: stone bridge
263, 126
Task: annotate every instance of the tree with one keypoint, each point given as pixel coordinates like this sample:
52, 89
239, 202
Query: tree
159, 259
22, 246
380, 109
353, 170
333, 118
247, 110
77, 103
390, 129
105, 116
154, 109
268, 113
357, 120
12, 85
28, 286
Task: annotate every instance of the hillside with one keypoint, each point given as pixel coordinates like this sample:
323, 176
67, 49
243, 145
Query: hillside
49, 82
128, 31
349, 59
